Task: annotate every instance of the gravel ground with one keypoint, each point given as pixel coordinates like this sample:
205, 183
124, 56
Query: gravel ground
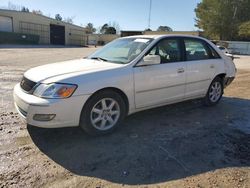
181, 145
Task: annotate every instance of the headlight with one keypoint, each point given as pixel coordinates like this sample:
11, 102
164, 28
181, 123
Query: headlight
55, 91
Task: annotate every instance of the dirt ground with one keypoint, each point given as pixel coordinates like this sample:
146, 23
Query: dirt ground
181, 145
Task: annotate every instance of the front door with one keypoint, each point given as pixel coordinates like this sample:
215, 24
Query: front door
163, 83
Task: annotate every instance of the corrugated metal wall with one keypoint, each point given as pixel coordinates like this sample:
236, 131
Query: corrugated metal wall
36, 29
239, 47
77, 37
6, 24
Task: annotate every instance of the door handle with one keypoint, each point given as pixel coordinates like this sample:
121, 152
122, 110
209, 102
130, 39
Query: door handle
212, 66
180, 70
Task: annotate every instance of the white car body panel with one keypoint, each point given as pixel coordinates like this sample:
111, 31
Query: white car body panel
145, 87
199, 76
67, 110
48, 73
159, 84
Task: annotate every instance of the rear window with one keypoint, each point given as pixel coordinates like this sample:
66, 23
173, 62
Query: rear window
199, 50
195, 50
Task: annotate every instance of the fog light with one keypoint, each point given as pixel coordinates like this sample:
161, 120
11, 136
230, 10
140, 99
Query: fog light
44, 117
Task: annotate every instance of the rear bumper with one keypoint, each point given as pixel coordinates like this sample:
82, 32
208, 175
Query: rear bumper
228, 81
67, 111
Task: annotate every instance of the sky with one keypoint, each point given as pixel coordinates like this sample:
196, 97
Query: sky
129, 14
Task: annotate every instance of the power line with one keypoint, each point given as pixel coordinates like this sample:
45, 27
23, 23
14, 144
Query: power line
149, 17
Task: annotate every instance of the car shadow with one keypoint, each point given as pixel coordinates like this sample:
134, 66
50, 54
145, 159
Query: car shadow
157, 145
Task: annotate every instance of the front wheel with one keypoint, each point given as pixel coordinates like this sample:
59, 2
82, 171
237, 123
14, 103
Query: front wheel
102, 113
214, 92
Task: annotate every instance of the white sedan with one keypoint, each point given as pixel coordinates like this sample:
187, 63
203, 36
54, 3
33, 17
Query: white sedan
223, 49
126, 76
226, 51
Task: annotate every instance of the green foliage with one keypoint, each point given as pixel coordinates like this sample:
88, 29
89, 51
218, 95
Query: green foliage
111, 30
220, 19
90, 28
244, 30
164, 28
107, 29
58, 17
38, 12
25, 9
104, 28
69, 20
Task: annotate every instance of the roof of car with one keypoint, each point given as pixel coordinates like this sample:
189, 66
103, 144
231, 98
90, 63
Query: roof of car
162, 36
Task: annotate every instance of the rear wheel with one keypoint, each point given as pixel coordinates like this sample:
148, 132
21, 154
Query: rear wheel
214, 92
102, 113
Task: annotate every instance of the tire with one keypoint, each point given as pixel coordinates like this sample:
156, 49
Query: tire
102, 113
215, 92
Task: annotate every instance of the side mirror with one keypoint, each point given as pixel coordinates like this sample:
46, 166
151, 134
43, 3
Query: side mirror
150, 60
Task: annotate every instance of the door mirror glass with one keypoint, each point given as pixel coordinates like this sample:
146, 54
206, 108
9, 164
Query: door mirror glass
150, 60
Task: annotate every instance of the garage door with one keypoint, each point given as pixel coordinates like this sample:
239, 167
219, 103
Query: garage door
5, 24
57, 34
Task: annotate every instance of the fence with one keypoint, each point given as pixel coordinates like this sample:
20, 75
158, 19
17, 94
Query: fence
237, 47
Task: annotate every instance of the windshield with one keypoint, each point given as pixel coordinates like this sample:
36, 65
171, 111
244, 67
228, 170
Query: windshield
121, 51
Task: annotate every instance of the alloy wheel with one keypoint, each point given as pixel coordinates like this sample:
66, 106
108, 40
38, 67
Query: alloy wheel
215, 92
105, 114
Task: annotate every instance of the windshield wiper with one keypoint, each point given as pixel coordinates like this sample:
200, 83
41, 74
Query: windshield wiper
99, 58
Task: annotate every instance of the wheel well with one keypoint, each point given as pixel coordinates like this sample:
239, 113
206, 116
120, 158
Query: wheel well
222, 76
120, 92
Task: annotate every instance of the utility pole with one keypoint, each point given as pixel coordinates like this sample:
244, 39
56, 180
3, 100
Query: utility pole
149, 17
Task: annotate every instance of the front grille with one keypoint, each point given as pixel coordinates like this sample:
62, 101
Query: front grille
27, 85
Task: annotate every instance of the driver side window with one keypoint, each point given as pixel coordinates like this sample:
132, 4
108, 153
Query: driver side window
168, 50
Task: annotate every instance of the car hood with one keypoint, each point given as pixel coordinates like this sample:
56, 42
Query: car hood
82, 66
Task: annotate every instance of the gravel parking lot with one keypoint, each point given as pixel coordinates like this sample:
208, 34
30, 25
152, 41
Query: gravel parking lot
181, 145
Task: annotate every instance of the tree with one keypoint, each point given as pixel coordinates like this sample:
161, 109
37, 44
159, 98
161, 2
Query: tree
104, 28
108, 29
115, 25
111, 30
90, 28
69, 20
220, 19
58, 17
244, 30
24, 9
39, 12
164, 28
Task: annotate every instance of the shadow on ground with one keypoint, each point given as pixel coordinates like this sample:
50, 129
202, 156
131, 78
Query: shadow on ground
155, 146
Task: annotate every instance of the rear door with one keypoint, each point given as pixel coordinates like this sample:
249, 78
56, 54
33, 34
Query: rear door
201, 64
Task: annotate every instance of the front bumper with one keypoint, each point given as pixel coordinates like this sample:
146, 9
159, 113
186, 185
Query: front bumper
67, 111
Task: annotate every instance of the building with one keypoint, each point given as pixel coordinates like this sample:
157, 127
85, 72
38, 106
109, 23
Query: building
24, 25
131, 33
194, 33
101, 39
